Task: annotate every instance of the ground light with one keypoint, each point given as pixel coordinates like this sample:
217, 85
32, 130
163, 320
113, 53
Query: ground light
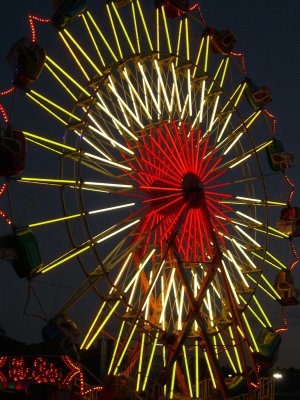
277, 375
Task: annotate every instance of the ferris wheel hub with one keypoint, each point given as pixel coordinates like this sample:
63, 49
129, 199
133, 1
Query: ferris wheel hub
192, 190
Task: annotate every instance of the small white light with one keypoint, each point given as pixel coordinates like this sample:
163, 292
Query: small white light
277, 375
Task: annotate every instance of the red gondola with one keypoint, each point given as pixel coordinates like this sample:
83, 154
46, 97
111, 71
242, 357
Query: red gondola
289, 222
278, 158
12, 151
221, 41
175, 8
257, 96
121, 3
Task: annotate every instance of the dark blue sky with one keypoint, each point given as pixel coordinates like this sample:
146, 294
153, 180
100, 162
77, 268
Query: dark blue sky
268, 33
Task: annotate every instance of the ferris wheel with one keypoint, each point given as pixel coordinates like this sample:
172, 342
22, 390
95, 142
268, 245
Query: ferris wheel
158, 197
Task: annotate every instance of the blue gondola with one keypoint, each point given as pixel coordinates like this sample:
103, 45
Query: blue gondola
66, 11
12, 151
63, 333
22, 250
27, 60
268, 343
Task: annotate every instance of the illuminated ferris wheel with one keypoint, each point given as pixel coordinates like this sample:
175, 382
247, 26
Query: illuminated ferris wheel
162, 205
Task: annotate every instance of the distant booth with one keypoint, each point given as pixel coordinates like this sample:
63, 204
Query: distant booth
40, 377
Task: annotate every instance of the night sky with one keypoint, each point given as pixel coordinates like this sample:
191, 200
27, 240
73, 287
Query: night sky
268, 33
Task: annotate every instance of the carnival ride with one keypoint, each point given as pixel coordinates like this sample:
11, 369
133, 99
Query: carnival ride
164, 216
